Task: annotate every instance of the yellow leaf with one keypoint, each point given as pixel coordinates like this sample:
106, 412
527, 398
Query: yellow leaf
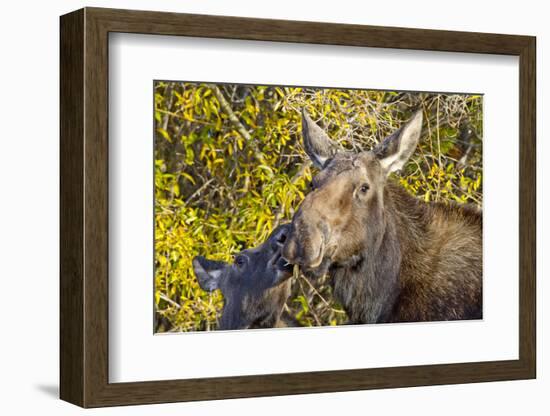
164, 134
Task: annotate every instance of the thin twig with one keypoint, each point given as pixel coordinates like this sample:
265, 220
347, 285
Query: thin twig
175, 115
170, 301
316, 292
198, 191
310, 307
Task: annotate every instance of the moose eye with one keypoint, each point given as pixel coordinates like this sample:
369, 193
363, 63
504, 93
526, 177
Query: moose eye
364, 188
240, 261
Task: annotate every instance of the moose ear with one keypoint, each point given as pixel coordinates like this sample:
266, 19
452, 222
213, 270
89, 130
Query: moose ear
318, 146
208, 272
394, 151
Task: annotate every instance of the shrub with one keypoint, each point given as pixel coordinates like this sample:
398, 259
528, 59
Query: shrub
229, 167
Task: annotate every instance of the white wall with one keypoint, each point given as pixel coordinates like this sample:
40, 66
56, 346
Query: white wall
29, 209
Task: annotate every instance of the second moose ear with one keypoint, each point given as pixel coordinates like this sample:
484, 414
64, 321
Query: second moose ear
318, 146
394, 151
208, 272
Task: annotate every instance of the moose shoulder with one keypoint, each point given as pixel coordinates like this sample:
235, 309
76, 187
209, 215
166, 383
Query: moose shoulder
390, 257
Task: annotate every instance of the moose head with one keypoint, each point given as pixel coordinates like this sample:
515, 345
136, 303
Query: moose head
255, 287
344, 214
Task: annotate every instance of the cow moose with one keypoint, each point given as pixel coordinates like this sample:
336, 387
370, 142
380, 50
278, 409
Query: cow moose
255, 287
389, 256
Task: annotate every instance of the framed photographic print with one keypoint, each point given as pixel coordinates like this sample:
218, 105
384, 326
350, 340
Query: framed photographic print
256, 207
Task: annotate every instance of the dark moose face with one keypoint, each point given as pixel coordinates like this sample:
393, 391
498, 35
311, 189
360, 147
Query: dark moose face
246, 284
344, 213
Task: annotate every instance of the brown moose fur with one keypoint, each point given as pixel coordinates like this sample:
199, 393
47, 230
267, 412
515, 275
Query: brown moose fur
439, 277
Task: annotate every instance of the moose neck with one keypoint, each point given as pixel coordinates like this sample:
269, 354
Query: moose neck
368, 285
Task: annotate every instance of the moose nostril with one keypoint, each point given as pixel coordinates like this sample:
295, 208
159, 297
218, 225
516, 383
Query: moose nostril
281, 237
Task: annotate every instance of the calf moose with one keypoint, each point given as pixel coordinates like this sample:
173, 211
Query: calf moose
389, 256
255, 287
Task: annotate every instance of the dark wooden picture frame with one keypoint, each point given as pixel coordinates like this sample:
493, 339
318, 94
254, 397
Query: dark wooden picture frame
84, 207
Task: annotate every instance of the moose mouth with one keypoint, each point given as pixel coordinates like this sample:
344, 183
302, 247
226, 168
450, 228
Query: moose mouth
309, 263
284, 268
319, 266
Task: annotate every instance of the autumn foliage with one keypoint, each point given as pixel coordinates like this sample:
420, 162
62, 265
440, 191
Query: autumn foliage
229, 167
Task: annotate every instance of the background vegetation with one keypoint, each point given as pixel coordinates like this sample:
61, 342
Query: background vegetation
229, 166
